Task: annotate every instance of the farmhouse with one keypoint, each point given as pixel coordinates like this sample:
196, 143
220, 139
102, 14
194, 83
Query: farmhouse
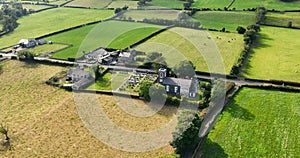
127, 57
178, 86
96, 55
28, 43
77, 74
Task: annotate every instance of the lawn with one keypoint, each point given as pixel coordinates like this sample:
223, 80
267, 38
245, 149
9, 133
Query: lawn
43, 120
200, 47
229, 20
46, 48
131, 37
277, 56
282, 19
257, 123
92, 37
139, 15
90, 3
52, 20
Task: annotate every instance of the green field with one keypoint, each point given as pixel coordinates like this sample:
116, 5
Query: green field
200, 47
257, 123
139, 15
92, 37
35, 7
46, 48
120, 4
130, 37
244, 4
90, 3
229, 20
282, 19
46, 22
165, 4
277, 56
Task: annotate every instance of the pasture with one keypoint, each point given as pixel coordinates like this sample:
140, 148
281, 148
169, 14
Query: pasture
103, 34
90, 3
43, 120
245, 4
121, 3
139, 15
282, 19
259, 123
229, 20
47, 22
204, 49
46, 48
35, 7
275, 56
165, 4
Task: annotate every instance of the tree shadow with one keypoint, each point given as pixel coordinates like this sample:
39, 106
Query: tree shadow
213, 150
262, 41
239, 112
30, 64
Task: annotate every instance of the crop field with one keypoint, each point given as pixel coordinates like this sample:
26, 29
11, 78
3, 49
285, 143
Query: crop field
43, 120
92, 37
281, 19
90, 3
120, 4
47, 22
46, 48
276, 56
199, 47
139, 15
229, 20
259, 123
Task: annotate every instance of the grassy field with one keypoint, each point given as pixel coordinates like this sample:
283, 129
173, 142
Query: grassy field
90, 3
43, 120
101, 35
120, 4
132, 36
165, 4
282, 19
276, 57
46, 48
35, 7
48, 21
244, 4
139, 15
258, 123
229, 20
197, 46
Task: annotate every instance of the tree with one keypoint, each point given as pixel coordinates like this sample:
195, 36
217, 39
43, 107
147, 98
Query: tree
185, 69
26, 55
144, 89
117, 10
240, 30
260, 15
157, 93
182, 16
185, 136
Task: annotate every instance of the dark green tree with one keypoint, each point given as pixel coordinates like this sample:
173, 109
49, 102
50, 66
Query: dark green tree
240, 30
144, 89
185, 136
185, 69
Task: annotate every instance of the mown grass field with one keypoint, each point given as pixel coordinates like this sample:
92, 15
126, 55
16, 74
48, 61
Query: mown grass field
90, 3
120, 4
35, 7
103, 34
50, 21
282, 19
276, 56
245, 4
258, 123
165, 4
43, 120
203, 49
46, 48
229, 20
131, 37
139, 15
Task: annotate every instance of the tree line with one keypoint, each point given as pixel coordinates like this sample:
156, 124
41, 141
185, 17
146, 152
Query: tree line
9, 14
